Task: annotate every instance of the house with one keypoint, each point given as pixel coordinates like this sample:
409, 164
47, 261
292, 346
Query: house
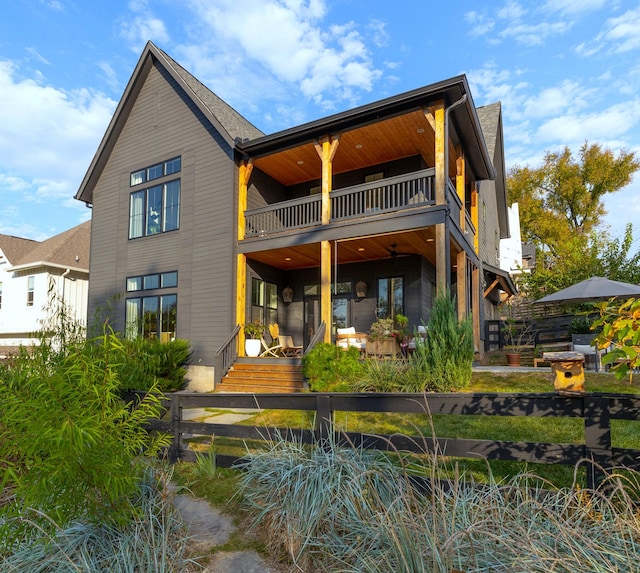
32, 273
203, 222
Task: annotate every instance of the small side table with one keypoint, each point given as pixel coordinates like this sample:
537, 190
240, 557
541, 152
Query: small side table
568, 371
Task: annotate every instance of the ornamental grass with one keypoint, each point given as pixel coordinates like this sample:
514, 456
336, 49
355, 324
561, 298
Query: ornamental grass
346, 509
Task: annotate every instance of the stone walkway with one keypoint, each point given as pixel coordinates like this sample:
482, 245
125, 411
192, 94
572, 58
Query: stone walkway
207, 526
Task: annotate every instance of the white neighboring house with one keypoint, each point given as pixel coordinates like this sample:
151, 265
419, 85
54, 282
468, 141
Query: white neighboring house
31, 272
511, 248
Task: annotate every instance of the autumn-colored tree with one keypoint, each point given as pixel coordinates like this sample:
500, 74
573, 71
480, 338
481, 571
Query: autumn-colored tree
561, 209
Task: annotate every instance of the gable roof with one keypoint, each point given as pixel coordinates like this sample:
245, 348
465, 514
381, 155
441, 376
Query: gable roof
14, 248
226, 120
490, 117
69, 250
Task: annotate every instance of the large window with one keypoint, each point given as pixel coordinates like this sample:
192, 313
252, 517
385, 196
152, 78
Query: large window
152, 317
155, 209
30, 290
390, 297
264, 301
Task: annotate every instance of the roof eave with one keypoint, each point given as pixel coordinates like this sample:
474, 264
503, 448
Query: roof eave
40, 264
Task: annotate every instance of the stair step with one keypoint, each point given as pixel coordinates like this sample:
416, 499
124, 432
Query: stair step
262, 376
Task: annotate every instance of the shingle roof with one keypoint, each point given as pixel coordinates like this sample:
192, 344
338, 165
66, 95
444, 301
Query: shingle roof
234, 123
489, 116
69, 248
15, 248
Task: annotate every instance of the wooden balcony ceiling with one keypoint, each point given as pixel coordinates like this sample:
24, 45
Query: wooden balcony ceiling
357, 250
372, 144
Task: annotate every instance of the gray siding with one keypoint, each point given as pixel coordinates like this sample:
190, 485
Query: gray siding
162, 124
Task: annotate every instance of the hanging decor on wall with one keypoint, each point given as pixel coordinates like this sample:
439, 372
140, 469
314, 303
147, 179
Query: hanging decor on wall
287, 294
361, 289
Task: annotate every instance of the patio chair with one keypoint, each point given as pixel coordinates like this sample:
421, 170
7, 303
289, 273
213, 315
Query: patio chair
348, 337
583, 343
289, 349
274, 349
422, 334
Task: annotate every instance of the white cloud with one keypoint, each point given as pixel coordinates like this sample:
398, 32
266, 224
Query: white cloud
142, 27
576, 7
46, 132
619, 35
286, 38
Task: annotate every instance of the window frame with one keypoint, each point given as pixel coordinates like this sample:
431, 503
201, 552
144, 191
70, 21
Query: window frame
390, 307
142, 211
31, 287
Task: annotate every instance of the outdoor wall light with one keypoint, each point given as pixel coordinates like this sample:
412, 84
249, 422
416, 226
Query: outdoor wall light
287, 294
361, 289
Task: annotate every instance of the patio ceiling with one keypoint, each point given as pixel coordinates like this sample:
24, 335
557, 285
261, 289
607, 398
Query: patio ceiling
376, 143
356, 250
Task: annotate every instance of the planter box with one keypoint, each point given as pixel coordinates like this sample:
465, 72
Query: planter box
384, 348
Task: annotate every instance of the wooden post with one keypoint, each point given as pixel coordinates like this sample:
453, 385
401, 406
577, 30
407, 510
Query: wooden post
475, 307
475, 217
244, 174
175, 450
326, 308
326, 150
441, 169
597, 438
461, 280
460, 188
324, 418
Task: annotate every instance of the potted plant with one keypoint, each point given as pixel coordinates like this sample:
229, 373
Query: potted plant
517, 336
381, 340
253, 331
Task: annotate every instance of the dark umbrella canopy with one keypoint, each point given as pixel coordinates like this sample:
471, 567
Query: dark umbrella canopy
595, 288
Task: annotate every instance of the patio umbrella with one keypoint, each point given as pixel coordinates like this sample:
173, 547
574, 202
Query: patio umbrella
593, 289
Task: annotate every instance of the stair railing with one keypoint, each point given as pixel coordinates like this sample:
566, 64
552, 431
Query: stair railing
316, 338
226, 356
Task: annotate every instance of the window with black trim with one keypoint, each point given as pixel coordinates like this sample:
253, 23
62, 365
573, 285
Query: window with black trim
390, 297
152, 317
264, 301
155, 209
152, 281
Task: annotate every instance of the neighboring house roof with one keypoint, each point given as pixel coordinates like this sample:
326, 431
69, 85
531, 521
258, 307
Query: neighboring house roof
14, 248
69, 249
490, 117
227, 121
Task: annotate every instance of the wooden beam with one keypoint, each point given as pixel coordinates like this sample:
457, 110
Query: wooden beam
429, 117
441, 167
326, 149
475, 216
460, 186
461, 282
442, 272
475, 308
491, 287
244, 174
241, 298
326, 307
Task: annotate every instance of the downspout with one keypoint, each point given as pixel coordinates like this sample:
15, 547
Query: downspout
63, 276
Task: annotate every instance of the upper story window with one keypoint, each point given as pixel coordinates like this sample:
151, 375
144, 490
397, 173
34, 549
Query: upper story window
0, 295
30, 290
156, 171
155, 210
149, 282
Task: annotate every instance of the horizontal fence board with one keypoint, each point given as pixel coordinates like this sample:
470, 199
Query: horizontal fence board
595, 409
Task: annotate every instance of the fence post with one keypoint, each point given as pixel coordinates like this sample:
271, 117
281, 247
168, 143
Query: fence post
324, 418
597, 437
176, 418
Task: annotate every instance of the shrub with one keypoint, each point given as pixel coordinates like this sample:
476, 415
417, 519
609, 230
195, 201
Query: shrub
329, 368
446, 357
71, 448
151, 363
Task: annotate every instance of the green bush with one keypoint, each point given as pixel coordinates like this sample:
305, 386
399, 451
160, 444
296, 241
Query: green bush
153, 363
331, 369
71, 448
446, 357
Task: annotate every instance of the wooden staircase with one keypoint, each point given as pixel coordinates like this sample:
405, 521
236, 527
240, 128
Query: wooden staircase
263, 375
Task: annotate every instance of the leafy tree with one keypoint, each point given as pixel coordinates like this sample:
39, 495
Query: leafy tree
561, 211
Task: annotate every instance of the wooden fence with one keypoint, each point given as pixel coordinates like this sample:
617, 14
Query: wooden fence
597, 411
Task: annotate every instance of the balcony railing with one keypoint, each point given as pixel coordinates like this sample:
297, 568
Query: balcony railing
384, 196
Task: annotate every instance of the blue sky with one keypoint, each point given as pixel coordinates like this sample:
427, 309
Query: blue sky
566, 72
